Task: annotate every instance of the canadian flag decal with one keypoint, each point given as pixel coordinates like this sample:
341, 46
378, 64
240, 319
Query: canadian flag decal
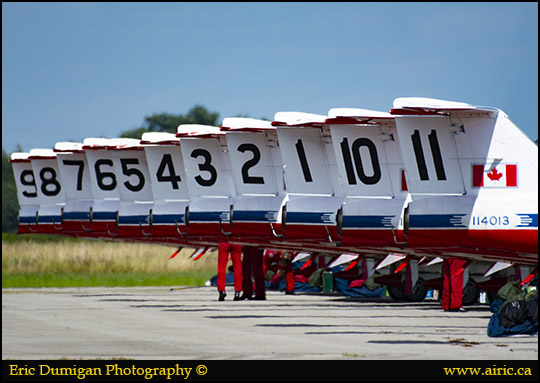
501, 175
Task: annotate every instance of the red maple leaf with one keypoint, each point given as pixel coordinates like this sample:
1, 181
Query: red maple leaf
494, 175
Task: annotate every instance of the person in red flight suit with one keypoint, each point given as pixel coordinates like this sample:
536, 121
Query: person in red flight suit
285, 268
252, 264
280, 265
452, 293
270, 262
224, 249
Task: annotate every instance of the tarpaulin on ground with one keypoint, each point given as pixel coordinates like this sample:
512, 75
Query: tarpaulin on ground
342, 286
514, 312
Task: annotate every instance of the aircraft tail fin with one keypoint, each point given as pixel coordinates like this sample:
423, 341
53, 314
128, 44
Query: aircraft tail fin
457, 148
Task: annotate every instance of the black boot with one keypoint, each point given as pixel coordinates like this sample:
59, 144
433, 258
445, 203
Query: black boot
222, 296
237, 295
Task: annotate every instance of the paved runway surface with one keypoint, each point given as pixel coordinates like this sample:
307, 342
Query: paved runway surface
189, 323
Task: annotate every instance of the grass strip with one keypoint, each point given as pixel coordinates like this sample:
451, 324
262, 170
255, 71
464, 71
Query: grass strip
106, 279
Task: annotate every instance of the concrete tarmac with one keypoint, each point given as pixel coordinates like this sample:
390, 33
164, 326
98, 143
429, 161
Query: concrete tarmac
190, 323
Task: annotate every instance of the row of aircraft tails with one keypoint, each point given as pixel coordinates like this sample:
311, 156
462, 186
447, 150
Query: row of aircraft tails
430, 179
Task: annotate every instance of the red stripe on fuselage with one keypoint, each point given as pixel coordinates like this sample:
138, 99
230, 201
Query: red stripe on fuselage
515, 240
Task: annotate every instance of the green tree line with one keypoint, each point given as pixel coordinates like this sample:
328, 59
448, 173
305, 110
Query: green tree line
156, 122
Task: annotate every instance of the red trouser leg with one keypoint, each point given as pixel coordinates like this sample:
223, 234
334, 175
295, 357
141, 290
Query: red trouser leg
247, 264
289, 278
236, 255
258, 273
223, 257
452, 294
252, 264
445, 293
456, 296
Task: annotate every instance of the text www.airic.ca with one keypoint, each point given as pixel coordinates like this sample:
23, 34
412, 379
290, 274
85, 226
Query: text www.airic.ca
488, 371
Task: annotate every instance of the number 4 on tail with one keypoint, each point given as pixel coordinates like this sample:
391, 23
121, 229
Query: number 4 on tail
173, 178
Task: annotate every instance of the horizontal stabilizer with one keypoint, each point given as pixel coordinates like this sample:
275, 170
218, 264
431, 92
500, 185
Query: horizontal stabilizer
358, 116
96, 143
242, 123
497, 267
342, 259
298, 119
68, 147
301, 256
430, 106
150, 138
435, 261
19, 157
124, 143
390, 258
197, 254
175, 253
196, 130
41, 154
